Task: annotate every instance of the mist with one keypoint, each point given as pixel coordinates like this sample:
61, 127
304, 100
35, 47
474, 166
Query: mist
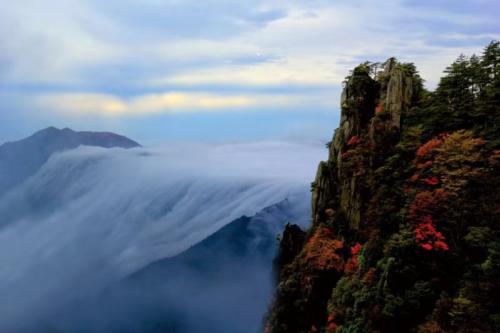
91, 217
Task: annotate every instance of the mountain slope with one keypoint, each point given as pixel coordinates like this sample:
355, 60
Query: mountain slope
21, 159
222, 284
405, 233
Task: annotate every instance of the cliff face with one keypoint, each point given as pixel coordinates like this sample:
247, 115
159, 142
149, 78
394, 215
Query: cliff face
398, 209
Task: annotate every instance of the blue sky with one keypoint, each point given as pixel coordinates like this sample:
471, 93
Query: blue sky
177, 70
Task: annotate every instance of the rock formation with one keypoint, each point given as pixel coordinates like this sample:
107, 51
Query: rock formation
394, 211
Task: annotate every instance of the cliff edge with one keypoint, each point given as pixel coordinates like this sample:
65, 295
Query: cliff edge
405, 211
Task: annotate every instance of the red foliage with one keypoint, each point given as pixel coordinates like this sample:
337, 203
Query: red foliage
428, 237
331, 328
320, 251
414, 178
331, 325
440, 245
352, 264
353, 140
423, 207
369, 277
379, 108
427, 148
426, 246
355, 249
424, 165
426, 203
431, 181
446, 159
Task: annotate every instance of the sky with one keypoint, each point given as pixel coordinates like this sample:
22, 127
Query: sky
215, 70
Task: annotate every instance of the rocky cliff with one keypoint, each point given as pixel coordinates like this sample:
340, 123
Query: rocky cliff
404, 212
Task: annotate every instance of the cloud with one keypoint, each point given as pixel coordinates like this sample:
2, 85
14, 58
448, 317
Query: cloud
170, 102
51, 41
188, 42
91, 216
292, 71
149, 57
318, 44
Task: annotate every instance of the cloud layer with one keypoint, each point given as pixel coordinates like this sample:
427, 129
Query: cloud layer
128, 57
91, 216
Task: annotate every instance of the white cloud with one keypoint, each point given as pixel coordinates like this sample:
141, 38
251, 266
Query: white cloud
288, 71
319, 45
311, 43
104, 213
51, 41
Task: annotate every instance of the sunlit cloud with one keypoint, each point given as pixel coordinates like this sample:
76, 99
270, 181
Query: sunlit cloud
280, 72
171, 102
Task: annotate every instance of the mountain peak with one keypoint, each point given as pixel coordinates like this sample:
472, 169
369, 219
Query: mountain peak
21, 159
68, 139
404, 233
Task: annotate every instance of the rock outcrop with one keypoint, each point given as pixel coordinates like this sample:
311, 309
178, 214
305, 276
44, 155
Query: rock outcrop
394, 209
371, 110
340, 190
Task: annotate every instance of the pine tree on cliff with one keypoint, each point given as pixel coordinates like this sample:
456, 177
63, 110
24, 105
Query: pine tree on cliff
406, 210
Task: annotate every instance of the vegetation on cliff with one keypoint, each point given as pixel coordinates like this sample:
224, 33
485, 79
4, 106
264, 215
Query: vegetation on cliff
406, 210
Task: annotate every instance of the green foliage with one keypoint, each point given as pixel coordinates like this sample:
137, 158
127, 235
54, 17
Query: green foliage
425, 253
467, 96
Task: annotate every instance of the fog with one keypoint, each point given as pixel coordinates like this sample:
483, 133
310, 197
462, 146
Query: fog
91, 216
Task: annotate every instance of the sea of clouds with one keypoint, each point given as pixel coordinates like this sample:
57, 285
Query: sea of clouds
91, 216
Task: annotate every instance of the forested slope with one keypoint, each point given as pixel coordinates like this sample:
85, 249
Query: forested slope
406, 210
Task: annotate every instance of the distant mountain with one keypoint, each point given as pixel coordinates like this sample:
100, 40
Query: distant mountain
224, 277
21, 159
222, 284
247, 236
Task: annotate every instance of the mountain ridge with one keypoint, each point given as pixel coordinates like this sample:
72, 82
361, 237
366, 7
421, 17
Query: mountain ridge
21, 159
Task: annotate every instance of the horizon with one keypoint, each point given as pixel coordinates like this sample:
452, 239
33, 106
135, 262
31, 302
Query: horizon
163, 71
193, 142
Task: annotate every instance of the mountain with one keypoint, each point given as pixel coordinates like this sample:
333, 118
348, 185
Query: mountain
222, 284
21, 159
405, 234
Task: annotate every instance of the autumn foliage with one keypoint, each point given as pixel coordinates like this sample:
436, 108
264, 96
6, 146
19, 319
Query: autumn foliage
322, 251
411, 240
352, 264
429, 148
379, 108
353, 140
443, 165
